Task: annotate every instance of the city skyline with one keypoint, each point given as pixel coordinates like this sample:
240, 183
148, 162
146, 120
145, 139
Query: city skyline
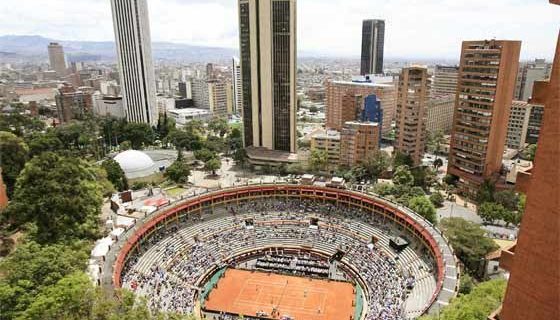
187, 22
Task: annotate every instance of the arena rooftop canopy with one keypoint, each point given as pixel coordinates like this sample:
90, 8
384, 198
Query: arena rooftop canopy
446, 270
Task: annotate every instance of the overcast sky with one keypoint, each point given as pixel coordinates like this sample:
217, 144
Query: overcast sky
414, 28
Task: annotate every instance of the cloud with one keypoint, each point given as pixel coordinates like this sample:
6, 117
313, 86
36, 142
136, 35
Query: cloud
414, 28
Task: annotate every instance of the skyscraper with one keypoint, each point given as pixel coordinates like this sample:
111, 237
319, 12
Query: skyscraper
412, 112
57, 61
373, 41
487, 75
134, 54
237, 86
267, 36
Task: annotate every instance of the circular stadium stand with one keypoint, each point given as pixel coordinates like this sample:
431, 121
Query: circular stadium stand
168, 232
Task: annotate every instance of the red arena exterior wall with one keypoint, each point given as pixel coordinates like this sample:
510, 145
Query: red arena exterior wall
312, 192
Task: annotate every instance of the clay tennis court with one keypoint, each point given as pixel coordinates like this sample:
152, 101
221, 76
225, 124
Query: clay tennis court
246, 292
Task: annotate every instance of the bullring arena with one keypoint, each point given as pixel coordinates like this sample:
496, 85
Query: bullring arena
285, 252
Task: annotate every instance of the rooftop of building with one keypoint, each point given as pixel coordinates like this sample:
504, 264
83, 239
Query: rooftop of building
360, 123
267, 155
364, 84
326, 134
190, 111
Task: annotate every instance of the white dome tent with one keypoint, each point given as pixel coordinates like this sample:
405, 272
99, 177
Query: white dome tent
136, 164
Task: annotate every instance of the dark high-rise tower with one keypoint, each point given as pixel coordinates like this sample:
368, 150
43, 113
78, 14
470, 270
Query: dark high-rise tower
373, 41
267, 36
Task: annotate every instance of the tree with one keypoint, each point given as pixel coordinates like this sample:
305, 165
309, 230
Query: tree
384, 189
215, 144
423, 177
31, 268
165, 125
469, 242
234, 140
376, 164
466, 284
486, 192
179, 171
434, 141
19, 123
115, 174
75, 298
186, 140
212, 165
60, 196
13, 155
71, 298
438, 163
423, 207
112, 130
437, 199
319, 160
403, 176
402, 159
139, 134
477, 305
125, 145
507, 198
240, 157
204, 155
219, 126
196, 127
491, 211
80, 136
530, 152
39, 143
450, 180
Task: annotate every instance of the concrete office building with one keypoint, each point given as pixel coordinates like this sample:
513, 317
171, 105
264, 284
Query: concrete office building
518, 125
267, 36
358, 141
182, 86
329, 142
210, 75
57, 61
487, 74
237, 86
346, 101
72, 103
184, 116
412, 112
535, 124
218, 98
440, 113
200, 94
109, 106
373, 43
530, 72
134, 55
444, 81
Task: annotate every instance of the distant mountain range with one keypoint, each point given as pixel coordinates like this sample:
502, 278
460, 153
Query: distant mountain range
36, 46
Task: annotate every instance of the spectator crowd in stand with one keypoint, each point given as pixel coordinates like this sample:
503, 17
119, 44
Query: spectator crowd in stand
184, 252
